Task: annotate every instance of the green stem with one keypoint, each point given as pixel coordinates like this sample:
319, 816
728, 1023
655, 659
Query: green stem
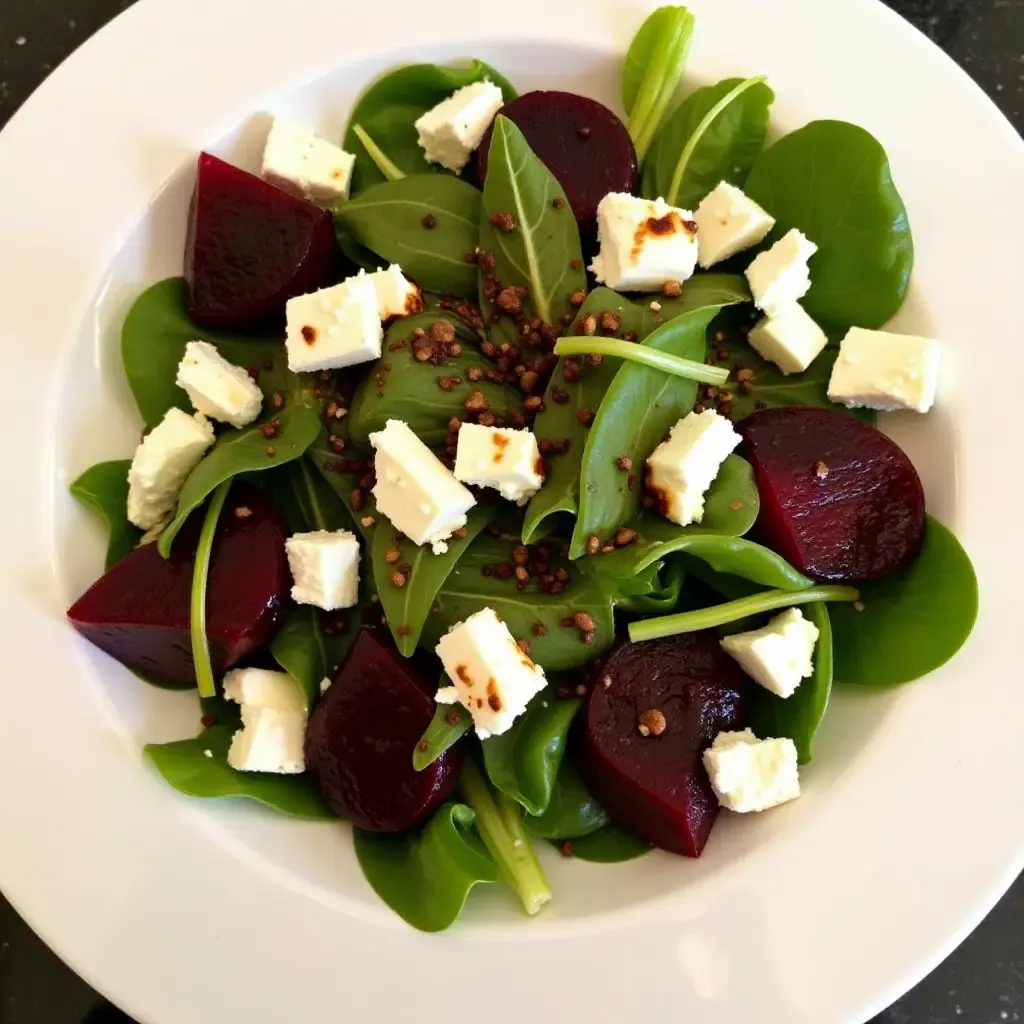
390, 170
664, 361
200, 576
499, 820
731, 611
698, 133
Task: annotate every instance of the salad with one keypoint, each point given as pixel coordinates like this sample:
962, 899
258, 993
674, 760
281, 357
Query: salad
510, 474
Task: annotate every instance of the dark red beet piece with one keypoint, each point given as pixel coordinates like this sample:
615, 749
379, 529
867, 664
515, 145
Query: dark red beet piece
138, 612
361, 737
251, 247
839, 499
584, 145
655, 785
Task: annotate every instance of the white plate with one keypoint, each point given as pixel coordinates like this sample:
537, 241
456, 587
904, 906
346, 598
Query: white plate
188, 913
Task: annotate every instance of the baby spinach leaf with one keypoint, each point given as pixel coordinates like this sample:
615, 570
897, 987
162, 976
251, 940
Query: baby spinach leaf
735, 556
832, 180
661, 596
388, 219
539, 248
715, 135
390, 108
309, 653
153, 341
571, 812
104, 489
798, 716
449, 724
911, 623
543, 620
425, 876
524, 762
609, 845
358, 255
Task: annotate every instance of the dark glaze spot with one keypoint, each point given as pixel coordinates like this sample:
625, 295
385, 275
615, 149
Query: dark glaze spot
309, 335
463, 673
500, 441
493, 699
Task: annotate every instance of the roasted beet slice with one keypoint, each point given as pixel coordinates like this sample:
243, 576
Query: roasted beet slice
138, 612
360, 741
655, 785
251, 247
584, 145
839, 499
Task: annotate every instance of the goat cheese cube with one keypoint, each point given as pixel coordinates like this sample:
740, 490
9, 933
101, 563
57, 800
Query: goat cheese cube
451, 131
778, 656
727, 223
644, 243
507, 460
748, 774
334, 327
878, 370
681, 469
780, 276
396, 294
491, 675
217, 388
791, 339
273, 733
304, 165
162, 463
325, 568
415, 490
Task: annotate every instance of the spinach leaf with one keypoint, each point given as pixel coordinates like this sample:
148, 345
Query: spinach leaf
449, 724
911, 623
153, 341
571, 812
714, 136
388, 219
200, 577
543, 620
832, 180
798, 716
539, 249
308, 652
524, 762
390, 108
425, 876
609, 845
661, 596
104, 489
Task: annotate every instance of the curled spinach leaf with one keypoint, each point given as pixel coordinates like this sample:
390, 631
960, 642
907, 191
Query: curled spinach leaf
571, 812
426, 876
609, 845
661, 596
104, 489
308, 652
450, 723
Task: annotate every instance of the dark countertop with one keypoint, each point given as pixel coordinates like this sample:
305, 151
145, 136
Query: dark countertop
983, 981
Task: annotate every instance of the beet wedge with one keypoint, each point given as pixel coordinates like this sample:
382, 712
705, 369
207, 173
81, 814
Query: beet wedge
653, 783
360, 741
251, 247
138, 612
839, 500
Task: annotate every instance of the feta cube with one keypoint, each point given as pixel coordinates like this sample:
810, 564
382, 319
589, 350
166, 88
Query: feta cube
491, 675
274, 713
727, 223
415, 490
681, 469
780, 276
451, 131
878, 370
507, 460
217, 388
748, 774
162, 463
334, 327
791, 339
644, 243
396, 294
325, 568
778, 656
304, 165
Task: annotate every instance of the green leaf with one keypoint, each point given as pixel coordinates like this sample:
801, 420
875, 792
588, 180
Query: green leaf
610, 845
391, 106
571, 812
913, 622
714, 136
153, 341
308, 653
449, 724
524, 762
104, 489
200, 575
542, 251
660, 597
832, 180
425, 876
799, 715
388, 219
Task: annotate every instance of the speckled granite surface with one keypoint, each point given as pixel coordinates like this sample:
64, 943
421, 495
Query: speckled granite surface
983, 981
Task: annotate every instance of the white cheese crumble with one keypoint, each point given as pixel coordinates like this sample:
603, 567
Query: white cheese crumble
325, 568
307, 166
217, 388
451, 131
748, 774
728, 223
779, 655
791, 339
273, 734
780, 276
499, 457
